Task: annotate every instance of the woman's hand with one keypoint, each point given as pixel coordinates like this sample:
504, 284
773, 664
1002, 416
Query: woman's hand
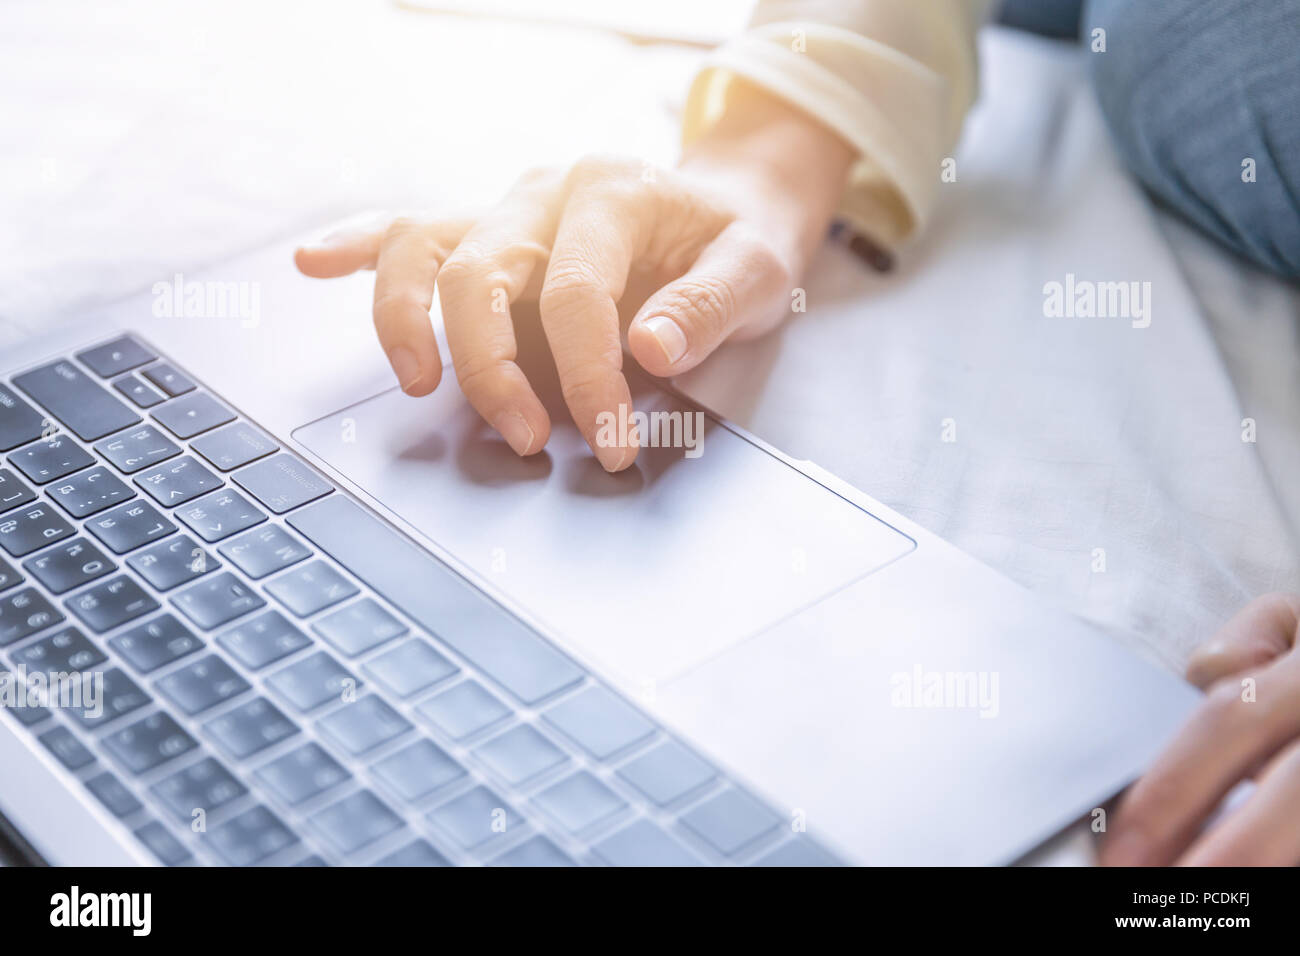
723, 239
1248, 727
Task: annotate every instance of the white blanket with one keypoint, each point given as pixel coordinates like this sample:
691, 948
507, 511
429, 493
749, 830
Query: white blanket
145, 137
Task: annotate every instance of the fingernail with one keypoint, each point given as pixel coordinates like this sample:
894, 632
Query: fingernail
515, 431
669, 335
617, 457
405, 366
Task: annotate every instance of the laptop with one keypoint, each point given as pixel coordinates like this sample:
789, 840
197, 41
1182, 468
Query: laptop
284, 614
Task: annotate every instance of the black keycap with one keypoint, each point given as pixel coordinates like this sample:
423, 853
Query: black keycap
23, 613
128, 526
115, 601
142, 394
259, 553
67, 748
263, 639
115, 357
250, 727
51, 459
28, 711
308, 589
193, 414
169, 380
282, 482
150, 645
66, 650
427, 591
358, 627
172, 562
31, 527
12, 491
120, 696
203, 684
302, 774
205, 786
9, 575
148, 743
76, 400
355, 821
19, 422
363, 725
220, 514
234, 446
89, 492
310, 682
112, 793
139, 448
177, 481
251, 837
69, 565
216, 600
162, 844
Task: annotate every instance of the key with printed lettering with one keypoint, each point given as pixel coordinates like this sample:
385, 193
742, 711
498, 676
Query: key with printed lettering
103, 607
177, 482
139, 448
89, 492
128, 526
26, 529
69, 565
76, 400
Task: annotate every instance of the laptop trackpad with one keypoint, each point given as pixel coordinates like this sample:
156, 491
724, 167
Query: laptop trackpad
647, 572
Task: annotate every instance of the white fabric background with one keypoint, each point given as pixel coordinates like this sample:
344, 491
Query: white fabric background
145, 137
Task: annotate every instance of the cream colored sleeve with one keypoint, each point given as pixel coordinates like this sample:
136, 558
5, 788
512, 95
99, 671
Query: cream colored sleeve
895, 78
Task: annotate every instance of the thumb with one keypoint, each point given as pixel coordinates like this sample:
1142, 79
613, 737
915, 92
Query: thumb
738, 281
1258, 634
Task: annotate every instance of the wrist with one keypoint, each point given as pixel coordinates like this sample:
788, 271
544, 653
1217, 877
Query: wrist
778, 167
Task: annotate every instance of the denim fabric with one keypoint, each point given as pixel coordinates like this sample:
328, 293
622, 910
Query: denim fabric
1192, 90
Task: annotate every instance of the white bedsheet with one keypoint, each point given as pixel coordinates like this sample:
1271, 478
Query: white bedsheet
128, 153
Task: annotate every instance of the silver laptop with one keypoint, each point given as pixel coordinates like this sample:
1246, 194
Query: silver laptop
259, 607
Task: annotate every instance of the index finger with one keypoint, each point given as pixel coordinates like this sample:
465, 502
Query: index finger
590, 260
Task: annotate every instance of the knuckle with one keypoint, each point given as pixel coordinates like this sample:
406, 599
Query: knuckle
568, 285
395, 303
762, 259
464, 267
706, 303
483, 380
402, 226
583, 387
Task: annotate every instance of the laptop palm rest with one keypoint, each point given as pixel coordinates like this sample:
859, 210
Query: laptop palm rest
647, 572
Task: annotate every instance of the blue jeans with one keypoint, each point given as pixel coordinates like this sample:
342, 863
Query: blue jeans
1200, 95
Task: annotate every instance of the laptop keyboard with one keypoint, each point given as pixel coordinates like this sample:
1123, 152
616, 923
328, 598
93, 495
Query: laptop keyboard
286, 679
